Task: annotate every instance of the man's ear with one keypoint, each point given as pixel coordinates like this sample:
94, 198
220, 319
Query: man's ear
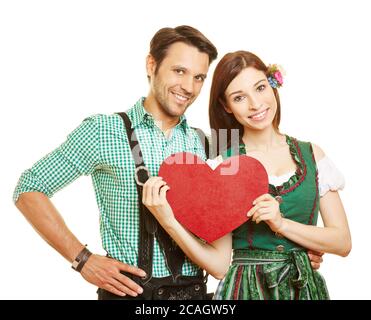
150, 65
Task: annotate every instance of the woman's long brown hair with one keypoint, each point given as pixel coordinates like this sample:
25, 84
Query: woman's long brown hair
227, 69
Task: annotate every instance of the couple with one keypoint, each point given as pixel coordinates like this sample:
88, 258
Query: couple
275, 253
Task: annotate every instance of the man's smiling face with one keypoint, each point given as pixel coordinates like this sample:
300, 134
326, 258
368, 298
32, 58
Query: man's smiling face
177, 82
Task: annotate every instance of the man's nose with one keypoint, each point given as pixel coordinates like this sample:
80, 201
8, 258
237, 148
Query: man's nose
188, 85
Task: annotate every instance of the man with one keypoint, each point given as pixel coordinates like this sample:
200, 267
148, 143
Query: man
102, 146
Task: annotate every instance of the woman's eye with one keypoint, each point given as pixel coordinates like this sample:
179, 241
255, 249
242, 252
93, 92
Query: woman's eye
261, 88
179, 71
238, 98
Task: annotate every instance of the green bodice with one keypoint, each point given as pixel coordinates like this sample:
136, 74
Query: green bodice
300, 201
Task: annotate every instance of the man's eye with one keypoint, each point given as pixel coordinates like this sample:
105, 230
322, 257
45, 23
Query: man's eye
261, 88
200, 78
179, 71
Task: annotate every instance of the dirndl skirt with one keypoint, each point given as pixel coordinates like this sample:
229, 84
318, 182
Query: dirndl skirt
271, 275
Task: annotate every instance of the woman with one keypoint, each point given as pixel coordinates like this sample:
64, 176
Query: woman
269, 259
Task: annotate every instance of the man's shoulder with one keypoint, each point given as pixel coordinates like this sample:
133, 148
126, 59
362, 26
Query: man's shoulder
104, 118
106, 121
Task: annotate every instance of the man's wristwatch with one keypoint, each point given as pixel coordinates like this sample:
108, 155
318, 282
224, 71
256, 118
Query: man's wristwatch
81, 259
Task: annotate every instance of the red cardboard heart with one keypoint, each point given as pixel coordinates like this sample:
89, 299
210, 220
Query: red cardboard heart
211, 203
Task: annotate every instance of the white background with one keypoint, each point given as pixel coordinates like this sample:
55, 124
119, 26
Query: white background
61, 61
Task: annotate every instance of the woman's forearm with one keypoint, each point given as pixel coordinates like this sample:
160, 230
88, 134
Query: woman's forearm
214, 258
323, 239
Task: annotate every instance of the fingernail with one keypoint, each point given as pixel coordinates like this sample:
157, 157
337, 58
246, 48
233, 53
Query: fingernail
140, 290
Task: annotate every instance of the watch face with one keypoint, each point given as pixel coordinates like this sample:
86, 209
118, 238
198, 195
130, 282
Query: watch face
75, 264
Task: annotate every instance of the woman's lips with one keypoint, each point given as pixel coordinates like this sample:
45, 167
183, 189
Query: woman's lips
259, 116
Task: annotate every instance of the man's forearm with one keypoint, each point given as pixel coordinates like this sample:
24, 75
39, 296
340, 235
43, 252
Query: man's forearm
44, 217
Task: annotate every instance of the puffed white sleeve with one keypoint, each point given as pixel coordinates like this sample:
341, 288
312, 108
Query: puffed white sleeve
329, 177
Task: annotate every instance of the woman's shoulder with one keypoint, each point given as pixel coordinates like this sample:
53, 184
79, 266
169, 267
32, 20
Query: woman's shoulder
319, 154
314, 148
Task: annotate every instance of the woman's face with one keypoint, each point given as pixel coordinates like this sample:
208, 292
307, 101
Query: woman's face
251, 99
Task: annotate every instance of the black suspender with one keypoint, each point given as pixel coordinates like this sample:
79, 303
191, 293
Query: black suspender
148, 225
204, 141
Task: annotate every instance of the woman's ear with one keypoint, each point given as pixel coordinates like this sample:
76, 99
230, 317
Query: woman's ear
150, 65
225, 106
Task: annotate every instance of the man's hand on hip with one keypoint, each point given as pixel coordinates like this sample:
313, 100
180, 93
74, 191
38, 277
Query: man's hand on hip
105, 273
315, 259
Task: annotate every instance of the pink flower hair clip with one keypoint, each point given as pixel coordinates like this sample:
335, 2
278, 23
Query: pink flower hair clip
275, 75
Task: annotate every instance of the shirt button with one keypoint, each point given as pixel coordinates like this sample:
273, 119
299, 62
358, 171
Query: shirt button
280, 248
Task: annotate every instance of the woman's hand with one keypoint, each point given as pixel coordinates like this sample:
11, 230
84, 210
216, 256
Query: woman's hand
154, 198
267, 209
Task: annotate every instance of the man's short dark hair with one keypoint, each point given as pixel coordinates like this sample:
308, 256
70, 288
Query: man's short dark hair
165, 37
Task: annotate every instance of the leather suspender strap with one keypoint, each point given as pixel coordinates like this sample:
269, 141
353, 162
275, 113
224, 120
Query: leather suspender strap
204, 141
148, 225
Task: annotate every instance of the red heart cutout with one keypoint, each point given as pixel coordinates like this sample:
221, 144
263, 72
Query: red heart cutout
211, 203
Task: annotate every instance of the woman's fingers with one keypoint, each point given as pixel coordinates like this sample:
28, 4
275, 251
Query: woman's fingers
163, 191
262, 214
148, 190
258, 206
264, 197
156, 191
252, 211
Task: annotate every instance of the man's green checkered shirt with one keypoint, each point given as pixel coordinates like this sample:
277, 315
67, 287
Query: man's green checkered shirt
99, 147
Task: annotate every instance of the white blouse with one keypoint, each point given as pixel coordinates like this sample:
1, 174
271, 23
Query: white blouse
329, 177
